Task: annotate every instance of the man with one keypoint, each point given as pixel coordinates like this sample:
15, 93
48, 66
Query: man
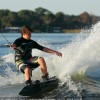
23, 58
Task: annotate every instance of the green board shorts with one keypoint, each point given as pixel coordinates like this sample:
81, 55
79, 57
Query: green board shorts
31, 63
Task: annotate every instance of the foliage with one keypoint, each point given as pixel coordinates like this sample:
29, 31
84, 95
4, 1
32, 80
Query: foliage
43, 20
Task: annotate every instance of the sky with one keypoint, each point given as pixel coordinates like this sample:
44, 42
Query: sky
71, 7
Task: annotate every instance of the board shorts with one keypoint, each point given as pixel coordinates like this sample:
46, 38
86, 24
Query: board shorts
31, 63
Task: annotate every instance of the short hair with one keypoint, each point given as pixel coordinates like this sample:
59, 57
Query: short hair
25, 28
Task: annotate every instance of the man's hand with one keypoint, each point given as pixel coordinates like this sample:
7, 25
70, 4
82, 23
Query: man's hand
52, 51
58, 54
12, 46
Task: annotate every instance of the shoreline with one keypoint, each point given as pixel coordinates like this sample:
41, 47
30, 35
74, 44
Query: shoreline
75, 31
72, 31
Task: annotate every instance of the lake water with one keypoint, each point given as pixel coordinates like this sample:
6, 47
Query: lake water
78, 69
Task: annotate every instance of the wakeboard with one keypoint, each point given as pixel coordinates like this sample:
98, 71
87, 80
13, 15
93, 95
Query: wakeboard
39, 87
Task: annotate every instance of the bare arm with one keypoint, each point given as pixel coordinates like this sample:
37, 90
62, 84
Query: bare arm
52, 51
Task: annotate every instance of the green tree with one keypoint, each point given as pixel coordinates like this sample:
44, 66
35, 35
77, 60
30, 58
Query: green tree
59, 19
43, 20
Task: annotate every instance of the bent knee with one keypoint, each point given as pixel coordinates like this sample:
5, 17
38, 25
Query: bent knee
40, 59
24, 69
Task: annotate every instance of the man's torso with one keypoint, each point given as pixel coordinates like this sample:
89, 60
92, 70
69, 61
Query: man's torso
24, 48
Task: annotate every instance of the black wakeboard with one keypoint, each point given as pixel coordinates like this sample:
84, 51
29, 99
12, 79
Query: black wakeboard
39, 87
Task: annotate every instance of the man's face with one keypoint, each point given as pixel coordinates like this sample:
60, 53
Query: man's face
27, 35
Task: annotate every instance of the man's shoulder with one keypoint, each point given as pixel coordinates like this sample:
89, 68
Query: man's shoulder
19, 39
32, 41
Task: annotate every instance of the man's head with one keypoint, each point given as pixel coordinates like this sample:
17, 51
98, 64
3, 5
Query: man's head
26, 32
25, 29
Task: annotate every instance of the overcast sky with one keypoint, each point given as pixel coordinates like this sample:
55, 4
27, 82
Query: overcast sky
67, 6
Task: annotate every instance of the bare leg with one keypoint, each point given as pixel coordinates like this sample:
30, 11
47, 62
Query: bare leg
43, 67
27, 73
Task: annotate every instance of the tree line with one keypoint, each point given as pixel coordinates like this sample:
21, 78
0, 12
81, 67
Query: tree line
43, 20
